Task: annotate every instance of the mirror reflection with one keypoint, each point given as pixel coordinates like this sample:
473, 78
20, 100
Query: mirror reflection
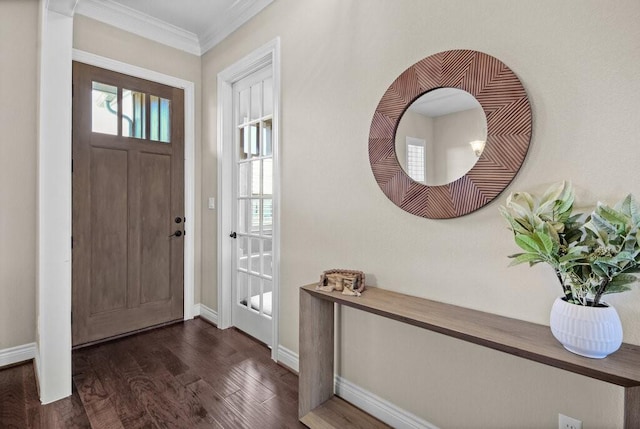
441, 136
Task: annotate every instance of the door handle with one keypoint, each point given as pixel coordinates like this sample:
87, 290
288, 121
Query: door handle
233, 234
178, 233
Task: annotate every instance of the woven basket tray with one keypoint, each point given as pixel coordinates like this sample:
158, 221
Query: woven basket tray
359, 276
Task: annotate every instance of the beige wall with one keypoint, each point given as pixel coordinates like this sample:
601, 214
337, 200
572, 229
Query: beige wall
107, 41
452, 134
18, 170
578, 61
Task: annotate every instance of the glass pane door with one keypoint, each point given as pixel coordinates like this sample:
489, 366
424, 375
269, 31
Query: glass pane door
253, 197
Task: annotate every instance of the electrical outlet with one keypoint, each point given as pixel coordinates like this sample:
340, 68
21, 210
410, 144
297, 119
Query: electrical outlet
212, 203
566, 422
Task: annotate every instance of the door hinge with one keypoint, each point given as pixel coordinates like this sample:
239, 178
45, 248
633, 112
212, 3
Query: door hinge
72, 241
72, 165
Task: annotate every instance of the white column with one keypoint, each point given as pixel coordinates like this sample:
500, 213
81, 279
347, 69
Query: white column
53, 358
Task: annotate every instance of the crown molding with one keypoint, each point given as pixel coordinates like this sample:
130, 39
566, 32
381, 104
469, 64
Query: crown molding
136, 22
65, 7
143, 25
242, 12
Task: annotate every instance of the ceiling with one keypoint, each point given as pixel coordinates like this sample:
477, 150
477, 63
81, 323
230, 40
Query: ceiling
444, 101
194, 26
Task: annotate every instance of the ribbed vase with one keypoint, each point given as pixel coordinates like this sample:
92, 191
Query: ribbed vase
594, 332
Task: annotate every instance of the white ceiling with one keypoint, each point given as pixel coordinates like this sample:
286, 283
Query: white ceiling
444, 101
194, 26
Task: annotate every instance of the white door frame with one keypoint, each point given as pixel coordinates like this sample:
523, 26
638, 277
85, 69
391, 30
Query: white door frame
53, 357
53, 290
268, 54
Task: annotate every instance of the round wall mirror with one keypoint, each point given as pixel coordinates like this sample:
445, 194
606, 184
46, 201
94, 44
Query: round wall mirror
499, 150
441, 136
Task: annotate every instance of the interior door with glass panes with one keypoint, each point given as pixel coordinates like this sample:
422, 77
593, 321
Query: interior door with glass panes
253, 196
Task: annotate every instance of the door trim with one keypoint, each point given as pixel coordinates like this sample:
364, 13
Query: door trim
53, 356
261, 57
53, 289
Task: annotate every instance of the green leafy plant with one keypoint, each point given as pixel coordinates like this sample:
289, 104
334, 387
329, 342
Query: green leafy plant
592, 254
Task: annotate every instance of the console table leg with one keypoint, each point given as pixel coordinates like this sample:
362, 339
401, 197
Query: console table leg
632, 407
316, 352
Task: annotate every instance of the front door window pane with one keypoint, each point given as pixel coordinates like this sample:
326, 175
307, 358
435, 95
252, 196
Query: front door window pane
104, 109
153, 118
159, 118
165, 123
133, 114
144, 116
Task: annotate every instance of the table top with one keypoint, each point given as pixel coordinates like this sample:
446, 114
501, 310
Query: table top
517, 337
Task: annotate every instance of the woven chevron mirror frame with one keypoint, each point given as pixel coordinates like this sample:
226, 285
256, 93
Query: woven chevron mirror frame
508, 113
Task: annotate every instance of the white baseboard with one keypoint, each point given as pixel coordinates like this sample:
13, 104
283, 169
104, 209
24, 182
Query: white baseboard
17, 354
367, 401
379, 407
288, 358
206, 313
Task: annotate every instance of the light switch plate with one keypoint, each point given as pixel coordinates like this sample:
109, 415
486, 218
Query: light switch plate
566, 422
212, 203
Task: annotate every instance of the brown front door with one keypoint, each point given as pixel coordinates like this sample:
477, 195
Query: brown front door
128, 203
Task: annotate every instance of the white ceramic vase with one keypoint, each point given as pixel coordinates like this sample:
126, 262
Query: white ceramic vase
594, 332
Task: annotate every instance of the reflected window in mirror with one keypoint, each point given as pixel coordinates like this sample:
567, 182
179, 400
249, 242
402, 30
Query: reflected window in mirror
416, 159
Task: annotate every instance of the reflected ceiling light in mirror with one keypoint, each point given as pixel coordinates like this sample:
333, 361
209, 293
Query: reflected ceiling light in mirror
477, 146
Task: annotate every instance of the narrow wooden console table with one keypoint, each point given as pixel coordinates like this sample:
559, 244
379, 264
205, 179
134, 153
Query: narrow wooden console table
319, 408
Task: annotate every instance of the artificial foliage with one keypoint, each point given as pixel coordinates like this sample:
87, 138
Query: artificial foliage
592, 254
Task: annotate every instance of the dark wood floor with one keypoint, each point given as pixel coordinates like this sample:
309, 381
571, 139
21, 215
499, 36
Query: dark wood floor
188, 375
